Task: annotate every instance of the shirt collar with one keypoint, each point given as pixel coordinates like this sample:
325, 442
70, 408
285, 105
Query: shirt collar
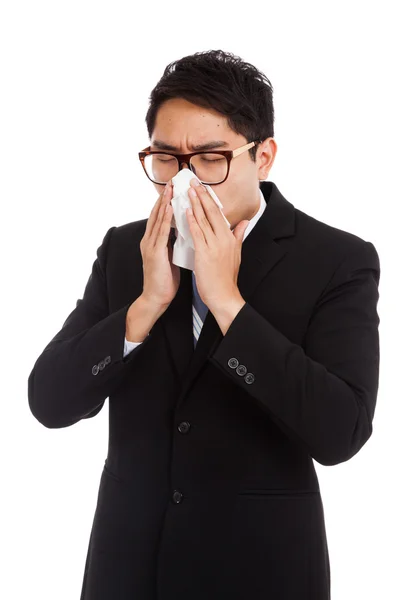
258, 214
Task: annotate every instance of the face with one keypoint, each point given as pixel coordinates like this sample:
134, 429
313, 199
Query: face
183, 125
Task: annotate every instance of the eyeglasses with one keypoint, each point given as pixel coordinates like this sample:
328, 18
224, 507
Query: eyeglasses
212, 168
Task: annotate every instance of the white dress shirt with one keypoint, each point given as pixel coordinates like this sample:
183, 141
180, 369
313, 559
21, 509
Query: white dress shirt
129, 346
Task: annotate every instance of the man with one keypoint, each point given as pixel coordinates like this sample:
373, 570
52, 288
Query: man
223, 386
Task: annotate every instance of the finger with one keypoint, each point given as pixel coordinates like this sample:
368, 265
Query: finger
158, 216
212, 213
195, 230
200, 216
165, 228
154, 212
162, 213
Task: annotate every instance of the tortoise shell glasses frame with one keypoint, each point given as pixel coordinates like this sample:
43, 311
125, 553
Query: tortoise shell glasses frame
185, 158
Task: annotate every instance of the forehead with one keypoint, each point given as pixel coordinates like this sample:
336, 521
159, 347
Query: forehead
180, 123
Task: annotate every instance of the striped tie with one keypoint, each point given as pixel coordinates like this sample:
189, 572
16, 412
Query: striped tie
199, 310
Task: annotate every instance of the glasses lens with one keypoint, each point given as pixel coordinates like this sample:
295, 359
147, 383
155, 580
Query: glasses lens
209, 167
161, 167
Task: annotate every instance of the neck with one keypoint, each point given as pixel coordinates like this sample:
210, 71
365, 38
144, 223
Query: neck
251, 212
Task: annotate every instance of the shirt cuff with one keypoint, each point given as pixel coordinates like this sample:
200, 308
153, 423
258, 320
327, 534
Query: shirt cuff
129, 346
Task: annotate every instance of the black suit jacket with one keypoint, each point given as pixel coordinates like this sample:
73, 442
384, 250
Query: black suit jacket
209, 488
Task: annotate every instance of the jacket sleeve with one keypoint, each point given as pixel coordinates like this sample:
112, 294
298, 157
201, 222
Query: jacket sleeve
84, 362
321, 394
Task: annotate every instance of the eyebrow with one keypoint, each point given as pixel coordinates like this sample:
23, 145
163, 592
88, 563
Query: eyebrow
196, 147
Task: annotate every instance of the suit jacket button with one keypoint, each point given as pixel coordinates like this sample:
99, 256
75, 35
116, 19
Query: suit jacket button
102, 364
107, 360
249, 378
233, 363
177, 497
95, 369
184, 427
241, 370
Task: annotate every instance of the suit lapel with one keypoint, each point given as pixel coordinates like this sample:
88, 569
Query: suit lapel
260, 253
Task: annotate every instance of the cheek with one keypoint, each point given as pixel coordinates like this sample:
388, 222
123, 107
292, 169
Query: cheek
229, 198
225, 196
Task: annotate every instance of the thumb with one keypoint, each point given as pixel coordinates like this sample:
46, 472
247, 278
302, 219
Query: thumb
240, 229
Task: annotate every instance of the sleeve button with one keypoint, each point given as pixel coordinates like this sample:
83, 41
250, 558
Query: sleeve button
249, 378
233, 363
241, 370
95, 369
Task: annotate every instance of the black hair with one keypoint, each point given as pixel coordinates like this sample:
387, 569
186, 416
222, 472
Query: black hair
221, 81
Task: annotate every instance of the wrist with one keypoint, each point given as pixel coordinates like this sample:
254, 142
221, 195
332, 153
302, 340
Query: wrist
150, 306
140, 319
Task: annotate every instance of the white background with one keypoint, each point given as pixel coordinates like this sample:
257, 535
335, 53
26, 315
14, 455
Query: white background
75, 82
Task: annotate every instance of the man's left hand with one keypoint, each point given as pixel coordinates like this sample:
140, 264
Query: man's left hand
218, 250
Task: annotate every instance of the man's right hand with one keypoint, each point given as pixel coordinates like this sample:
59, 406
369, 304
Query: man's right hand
161, 277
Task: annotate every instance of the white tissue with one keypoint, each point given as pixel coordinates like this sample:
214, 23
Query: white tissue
183, 250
